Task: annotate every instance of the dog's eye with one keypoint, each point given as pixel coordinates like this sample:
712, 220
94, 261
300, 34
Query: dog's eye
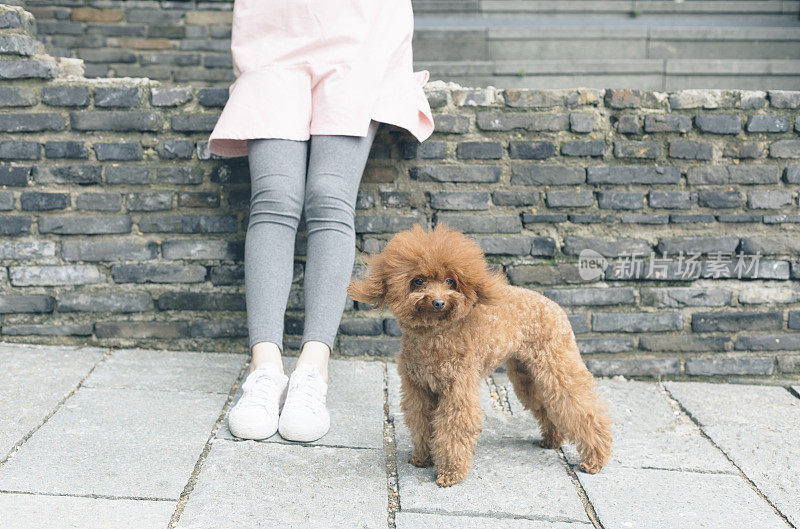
450, 282
418, 281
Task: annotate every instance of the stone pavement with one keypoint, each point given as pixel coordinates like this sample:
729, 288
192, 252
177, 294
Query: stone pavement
126, 438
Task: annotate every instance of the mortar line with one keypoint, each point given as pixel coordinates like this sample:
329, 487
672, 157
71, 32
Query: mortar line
793, 392
725, 454
289, 443
499, 516
390, 448
187, 490
70, 393
89, 496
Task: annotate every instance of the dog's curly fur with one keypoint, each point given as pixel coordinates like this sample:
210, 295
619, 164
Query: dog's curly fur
483, 321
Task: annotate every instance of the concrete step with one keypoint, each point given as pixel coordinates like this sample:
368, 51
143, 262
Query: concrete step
651, 74
776, 9
609, 42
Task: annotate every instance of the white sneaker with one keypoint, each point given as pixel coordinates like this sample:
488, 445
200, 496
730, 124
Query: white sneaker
255, 416
304, 416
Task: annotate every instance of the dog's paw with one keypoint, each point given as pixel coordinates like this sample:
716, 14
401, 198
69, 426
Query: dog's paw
591, 467
448, 479
548, 442
421, 462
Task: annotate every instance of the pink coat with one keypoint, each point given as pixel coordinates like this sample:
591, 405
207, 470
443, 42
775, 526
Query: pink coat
307, 67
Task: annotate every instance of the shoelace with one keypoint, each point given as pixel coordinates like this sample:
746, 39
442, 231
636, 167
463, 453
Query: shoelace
256, 392
306, 385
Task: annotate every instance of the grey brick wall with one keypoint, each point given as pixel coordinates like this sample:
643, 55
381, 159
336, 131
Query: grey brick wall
119, 228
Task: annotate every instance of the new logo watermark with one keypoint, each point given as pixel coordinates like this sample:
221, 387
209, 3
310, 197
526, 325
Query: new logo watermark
591, 264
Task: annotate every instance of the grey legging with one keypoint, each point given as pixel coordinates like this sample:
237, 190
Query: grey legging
320, 177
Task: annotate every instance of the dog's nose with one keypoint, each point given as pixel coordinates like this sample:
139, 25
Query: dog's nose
438, 304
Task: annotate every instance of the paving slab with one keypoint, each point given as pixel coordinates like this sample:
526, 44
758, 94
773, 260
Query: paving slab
274, 485
646, 498
116, 442
168, 371
413, 520
31, 511
355, 402
648, 431
511, 475
757, 427
35, 379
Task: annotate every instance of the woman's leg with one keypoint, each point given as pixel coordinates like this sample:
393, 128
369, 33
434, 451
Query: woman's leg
277, 174
336, 164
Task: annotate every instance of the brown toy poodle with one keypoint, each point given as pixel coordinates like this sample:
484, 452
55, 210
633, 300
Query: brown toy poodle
459, 322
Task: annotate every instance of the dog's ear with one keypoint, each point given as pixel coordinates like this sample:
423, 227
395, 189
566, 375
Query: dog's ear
490, 289
371, 288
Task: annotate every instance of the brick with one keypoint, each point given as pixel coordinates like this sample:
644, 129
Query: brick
396, 198
479, 149
451, 123
502, 197
130, 151
594, 148
686, 297
99, 201
128, 174
172, 149
428, 150
54, 275
564, 273
384, 223
691, 150
27, 250
170, 97
672, 199
528, 98
785, 149
700, 99
627, 98
14, 303
28, 69
517, 245
758, 295
188, 224
549, 218
6, 200
620, 200
591, 296
17, 96
48, 330
32, 122
228, 328
569, 199
684, 344
729, 366
605, 345
637, 149
115, 121
202, 249
474, 97
105, 302
770, 245
637, 322
769, 199
39, 201
201, 301
630, 124
88, 14
574, 245
149, 201
107, 250
718, 123
792, 175
471, 223
212, 97
634, 367
122, 97
695, 218
459, 173
784, 99
158, 273
85, 225
592, 218
667, 123
531, 150
765, 123
198, 200
697, 245
14, 175
180, 175
535, 175
744, 149
65, 96
361, 326
454, 200
14, 225
66, 149
142, 329
794, 319
733, 174
495, 121
581, 123
20, 150
736, 321
234, 274
720, 199
633, 174
194, 122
